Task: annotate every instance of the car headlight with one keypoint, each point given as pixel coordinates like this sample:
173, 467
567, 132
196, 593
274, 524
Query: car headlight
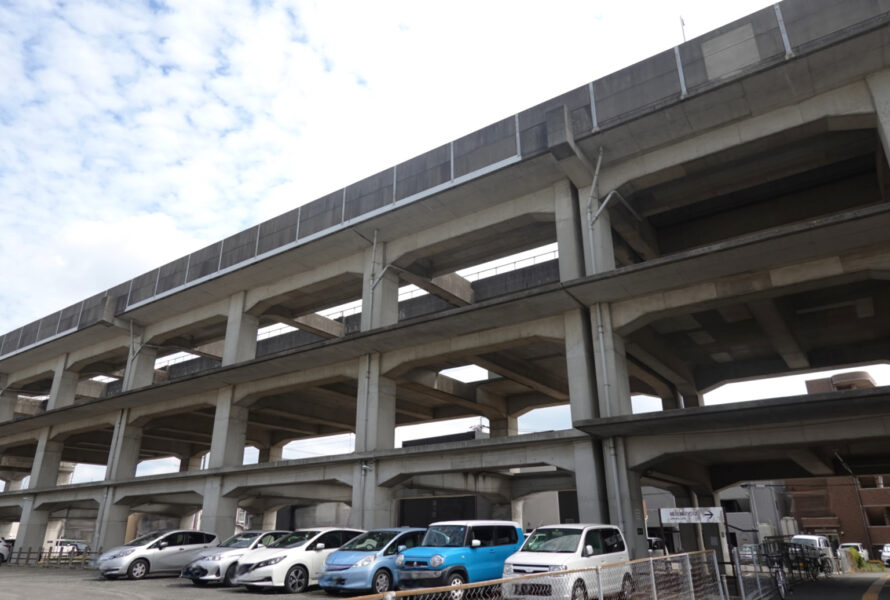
218, 557
558, 568
436, 560
368, 560
400, 560
271, 561
126, 552
508, 569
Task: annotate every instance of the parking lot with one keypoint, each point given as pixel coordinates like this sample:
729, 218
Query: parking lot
56, 584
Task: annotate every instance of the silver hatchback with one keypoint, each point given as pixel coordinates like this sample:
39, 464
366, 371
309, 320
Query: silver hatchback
155, 552
217, 565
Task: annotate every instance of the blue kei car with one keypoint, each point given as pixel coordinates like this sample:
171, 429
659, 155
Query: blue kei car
458, 552
367, 562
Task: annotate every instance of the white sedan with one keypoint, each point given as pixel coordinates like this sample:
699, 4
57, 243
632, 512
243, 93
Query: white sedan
294, 561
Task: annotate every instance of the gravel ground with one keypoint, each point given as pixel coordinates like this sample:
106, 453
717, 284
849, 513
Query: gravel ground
60, 583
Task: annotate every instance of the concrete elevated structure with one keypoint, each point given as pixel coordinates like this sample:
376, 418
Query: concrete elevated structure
720, 213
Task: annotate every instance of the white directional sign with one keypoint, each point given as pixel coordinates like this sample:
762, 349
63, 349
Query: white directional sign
706, 514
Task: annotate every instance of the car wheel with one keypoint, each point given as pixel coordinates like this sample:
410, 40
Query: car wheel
579, 591
137, 569
382, 581
296, 580
456, 579
230, 575
627, 588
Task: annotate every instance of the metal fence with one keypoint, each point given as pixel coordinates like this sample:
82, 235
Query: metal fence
755, 568
37, 557
692, 576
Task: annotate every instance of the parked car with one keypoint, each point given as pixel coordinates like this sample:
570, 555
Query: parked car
566, 548
747, 552
860, 548
819, 542
217, 565
656, 546
5, 549
294, 561
70, 547
368, 562
155, 552
885, 555
458, 552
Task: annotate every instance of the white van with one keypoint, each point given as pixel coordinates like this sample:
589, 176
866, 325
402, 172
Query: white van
820, 542
568, 555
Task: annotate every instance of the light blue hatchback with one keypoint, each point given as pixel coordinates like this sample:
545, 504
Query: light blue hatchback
368, 561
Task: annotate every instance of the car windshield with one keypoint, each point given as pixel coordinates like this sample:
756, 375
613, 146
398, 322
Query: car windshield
445, 535
239, 540
371, 541
556, 539
804, 541
293, 539
146, 539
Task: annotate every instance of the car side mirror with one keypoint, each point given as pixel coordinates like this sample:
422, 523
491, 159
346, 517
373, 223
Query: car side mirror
475, 543
261, 545
588, 550
162, 545
319, 546
401, 548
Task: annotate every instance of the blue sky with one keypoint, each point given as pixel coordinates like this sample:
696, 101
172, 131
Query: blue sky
132, 133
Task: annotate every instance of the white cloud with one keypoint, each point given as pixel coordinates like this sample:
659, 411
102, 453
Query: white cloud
169, 126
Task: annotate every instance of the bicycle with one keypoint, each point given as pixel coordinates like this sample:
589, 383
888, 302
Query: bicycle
776, 567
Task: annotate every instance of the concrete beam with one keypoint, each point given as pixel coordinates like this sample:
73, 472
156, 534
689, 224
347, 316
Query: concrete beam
448, 390
463, 347
811, 461
451, 287
525, 372
635, 230
776, 328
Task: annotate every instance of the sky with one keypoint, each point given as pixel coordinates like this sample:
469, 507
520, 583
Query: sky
133, 133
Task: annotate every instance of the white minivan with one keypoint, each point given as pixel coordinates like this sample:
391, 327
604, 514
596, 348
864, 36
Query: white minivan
558, 562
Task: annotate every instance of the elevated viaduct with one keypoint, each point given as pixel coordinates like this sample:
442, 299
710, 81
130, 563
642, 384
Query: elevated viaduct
720, 213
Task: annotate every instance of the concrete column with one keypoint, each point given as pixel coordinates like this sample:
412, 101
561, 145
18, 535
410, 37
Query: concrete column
64, 385
610, 361
229, 431
191, 462
218, 511
241, 332
599, 254
631, 498
375, 419
579, 365
372, 505
589, 486
123, 455
879, 86
140, 370
568, 231
47, 459
32, 526
112, 523
263, 454
504, 427
8, 400
380, 290
270, 518
276, 452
